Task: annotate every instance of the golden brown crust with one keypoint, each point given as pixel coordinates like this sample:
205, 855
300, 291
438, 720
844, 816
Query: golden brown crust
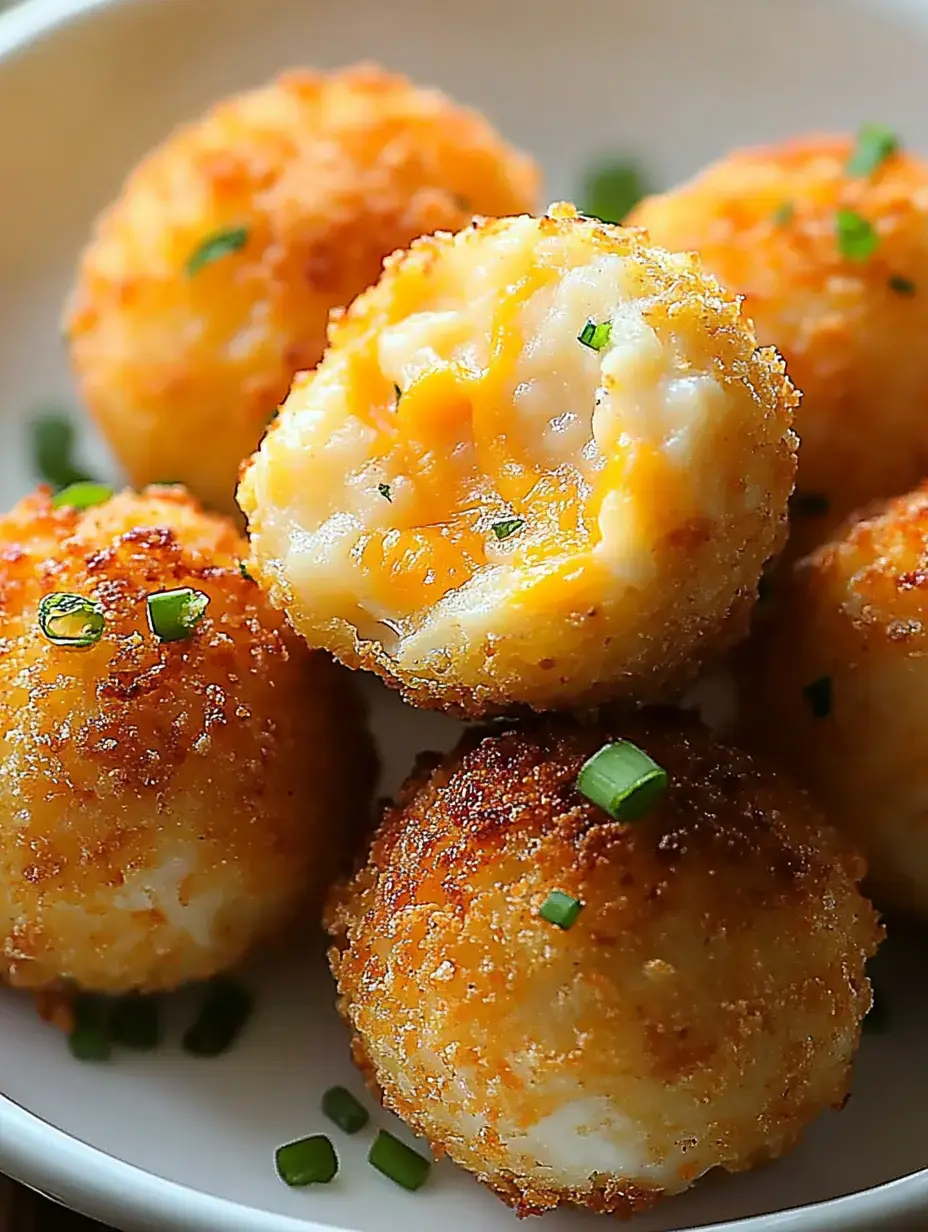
329, 173
165, 806
855, 614
718, 938
852, 341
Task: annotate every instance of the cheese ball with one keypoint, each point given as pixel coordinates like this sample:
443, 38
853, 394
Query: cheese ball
208, 283
836, 686
164, 806
702, 1008
827, 238
541, 464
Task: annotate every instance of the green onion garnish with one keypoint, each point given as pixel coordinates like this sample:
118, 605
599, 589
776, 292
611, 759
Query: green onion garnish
221, 244
134, 1022
340, 1106
503, 530
224, 1012
384, 490
243, 570
595, 336
610, 190
783, 214
71, 620
397, 394
53, 450
623, 780
308, 1161
398, 1161
560, 909
83, 495
819, 697
88, 1040
875, 143
174, 614
808, 504
902, 286
876, 1021
857, 238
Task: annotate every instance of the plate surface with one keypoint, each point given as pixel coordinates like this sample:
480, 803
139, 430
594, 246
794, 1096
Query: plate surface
169, 1142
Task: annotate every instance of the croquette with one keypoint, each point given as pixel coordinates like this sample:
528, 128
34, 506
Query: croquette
827, 238
208, 283
541, 464
695, 1008
164, 805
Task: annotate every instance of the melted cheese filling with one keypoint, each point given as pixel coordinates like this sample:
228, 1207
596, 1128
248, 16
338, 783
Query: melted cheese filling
480, 408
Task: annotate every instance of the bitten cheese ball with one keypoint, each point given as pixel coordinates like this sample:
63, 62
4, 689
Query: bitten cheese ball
835, 684
703, 1005
208, 283
827, 238
164, 806
542, 463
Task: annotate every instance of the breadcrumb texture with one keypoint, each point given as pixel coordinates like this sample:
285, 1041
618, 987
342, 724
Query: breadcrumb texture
704, 1007
163, 808
855, 615
764, 220
469, 501
329, 173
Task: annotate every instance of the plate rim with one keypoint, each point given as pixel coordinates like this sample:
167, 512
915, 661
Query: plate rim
94, 1183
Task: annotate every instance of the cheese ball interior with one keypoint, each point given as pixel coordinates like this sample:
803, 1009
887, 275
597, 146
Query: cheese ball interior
702, 1008
163, 806
541, 463
836, 686
208, 283
830, 249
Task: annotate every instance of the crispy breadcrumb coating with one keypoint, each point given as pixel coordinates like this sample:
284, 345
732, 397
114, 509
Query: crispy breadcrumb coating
704, 1007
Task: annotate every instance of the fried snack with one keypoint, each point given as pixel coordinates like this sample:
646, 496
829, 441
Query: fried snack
704, 1006
835, 685
208, 283
542, 463
164, 807
834, 267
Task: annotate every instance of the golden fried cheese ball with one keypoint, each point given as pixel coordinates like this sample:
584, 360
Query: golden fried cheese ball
836, 685
828, 240
207, 285
704, 1006
163, 806
541, 463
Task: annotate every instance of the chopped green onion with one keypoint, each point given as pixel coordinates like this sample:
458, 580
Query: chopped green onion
610, 190
623, 780
808, 504
340, 1106
174, 614
221, 244
134, 1022
243, 570
384, 490
503, 530
819, 697
595, 336
88, 1040
902, 286
875, 143
783, 214
857, 238
53, 450
71, 620
397, 394
560, 909
308, 1161
83, 495
224, 1012
876, 1021
398, 1161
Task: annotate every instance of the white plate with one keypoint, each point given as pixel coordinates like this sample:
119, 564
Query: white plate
169, 1142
